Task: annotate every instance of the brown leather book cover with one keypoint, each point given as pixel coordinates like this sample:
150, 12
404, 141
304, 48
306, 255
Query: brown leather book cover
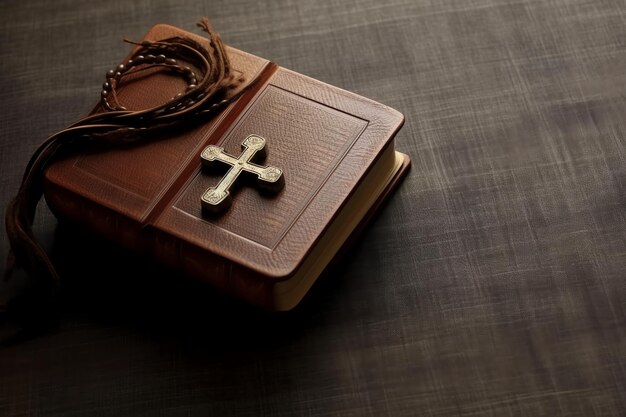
335, 149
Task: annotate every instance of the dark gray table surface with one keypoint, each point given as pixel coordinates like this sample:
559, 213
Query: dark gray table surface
492, 283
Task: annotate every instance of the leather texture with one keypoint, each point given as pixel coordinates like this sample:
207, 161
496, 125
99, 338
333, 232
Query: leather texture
491, 284
147, 198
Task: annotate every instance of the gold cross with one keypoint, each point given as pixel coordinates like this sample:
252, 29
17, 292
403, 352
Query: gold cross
217, 199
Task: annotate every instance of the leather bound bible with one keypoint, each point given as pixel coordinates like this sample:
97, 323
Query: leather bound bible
203, 200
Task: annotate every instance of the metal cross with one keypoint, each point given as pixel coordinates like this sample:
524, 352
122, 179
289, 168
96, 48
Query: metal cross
217, 199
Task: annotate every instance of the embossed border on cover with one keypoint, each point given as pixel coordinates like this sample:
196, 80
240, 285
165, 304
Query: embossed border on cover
271, 242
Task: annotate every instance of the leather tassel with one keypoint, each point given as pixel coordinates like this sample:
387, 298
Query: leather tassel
113, 125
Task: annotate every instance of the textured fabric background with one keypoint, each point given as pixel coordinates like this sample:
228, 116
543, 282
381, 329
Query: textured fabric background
492, 284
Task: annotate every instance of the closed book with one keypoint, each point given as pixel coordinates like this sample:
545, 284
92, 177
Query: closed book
335, 150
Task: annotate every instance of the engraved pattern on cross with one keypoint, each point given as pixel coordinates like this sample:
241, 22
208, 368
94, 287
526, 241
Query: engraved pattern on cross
217, 199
